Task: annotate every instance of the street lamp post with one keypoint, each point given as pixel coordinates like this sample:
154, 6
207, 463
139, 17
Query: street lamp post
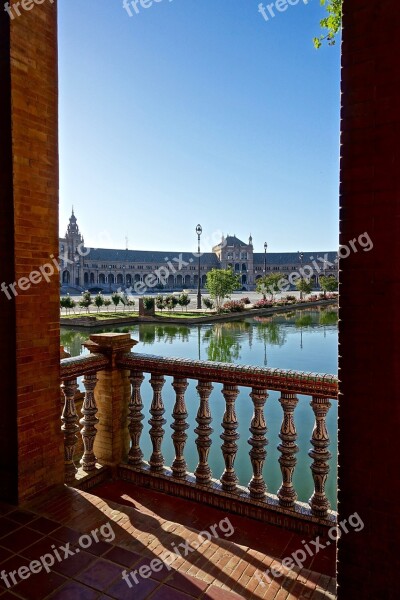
109, 277
265, 257
301, 272
199, 231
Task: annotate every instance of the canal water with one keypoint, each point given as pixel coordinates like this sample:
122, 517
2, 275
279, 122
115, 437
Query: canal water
305, 340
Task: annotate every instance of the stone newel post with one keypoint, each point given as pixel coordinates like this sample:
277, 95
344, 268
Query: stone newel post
112, 395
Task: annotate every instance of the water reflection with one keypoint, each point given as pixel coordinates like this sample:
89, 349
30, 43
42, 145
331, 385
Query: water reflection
301, 340
223, 342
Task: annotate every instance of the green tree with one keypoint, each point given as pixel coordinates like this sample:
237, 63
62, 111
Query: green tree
304, 286
86, 301
107, 303
99, 301
220, 284
184, 300
148, 302
116, 299
171, 301
328, 283
269, 284
222, 345
160, 303
208, 303
331, 24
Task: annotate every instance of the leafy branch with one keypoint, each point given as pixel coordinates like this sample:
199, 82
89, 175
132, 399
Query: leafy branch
332, 23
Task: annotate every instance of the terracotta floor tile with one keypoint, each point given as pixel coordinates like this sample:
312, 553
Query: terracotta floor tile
98, 548
7, 526
73, 565
39, 585
74, 591
168, 593
21, 516
185, 583
4, 554
9, 596
100, 575
5, 508
11, 564
122, 556
44, 525
43, 546
66, 534
139, 591
20, 539
216, 593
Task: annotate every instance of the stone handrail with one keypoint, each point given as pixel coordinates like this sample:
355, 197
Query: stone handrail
118, 400
260, 380
299, 382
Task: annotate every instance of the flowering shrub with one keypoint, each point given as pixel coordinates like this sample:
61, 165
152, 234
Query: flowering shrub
290, 298
233, 306
263, 304
245, 300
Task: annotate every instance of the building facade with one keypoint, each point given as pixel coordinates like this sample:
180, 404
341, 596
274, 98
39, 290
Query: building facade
111, 269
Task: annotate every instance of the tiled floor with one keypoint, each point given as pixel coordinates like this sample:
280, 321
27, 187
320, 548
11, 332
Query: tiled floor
145, 525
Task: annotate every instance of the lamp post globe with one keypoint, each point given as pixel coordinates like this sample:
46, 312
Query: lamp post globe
265, 257
199, 231
301, 271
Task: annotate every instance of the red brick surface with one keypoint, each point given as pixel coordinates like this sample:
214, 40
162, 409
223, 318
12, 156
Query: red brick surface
369, 298
30, 211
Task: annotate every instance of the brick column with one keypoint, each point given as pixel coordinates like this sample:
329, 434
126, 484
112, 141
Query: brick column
31, 446
369, 326
112, 394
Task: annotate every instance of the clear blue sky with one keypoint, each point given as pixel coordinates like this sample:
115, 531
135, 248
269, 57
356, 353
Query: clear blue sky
198, 111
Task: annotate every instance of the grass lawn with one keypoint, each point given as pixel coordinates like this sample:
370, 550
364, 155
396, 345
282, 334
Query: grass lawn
101, 316
181, 315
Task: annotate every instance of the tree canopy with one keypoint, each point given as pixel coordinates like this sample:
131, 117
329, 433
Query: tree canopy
331, 24
221, 283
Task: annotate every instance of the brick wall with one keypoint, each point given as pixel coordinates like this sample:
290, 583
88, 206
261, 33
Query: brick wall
369, 325
30, 212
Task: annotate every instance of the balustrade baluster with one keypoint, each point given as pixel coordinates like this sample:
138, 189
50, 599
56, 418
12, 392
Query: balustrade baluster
288, 448
135, 418
258, 441
156, 431
179, 437
203, 431
70, 428
88, 423
320, 454
229, 479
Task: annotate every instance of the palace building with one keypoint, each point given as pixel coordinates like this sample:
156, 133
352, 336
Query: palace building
112, 269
